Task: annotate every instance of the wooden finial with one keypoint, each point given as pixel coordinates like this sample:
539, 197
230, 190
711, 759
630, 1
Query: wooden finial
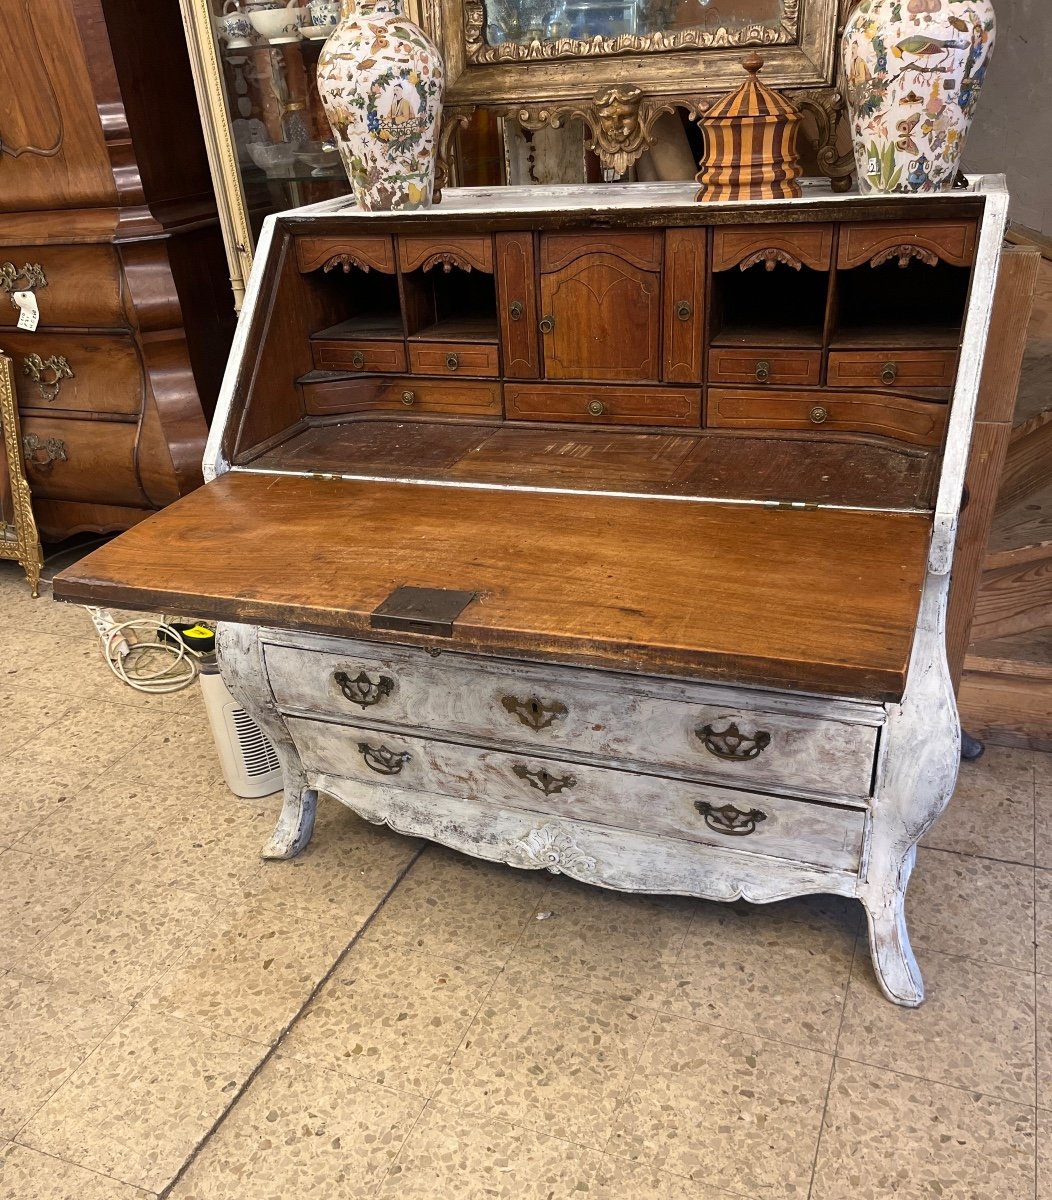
753, 63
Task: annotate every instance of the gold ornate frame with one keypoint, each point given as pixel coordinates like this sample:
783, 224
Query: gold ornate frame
619, 86
19, 540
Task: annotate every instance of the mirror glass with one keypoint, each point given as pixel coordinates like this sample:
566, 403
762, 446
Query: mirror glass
704, 22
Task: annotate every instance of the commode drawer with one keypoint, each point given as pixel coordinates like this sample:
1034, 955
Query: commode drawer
801, 831
548, 708
73, 285
90, 461
77, 372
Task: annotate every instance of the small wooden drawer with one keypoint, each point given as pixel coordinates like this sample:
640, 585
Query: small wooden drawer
89, 461
879, 242
822, 835
786, 367
373, 357
744, 246
890, 416
603, 404
429, 253
685, 728
73, 285
892, 368
449, 358
364, 251
409, 394
76, 372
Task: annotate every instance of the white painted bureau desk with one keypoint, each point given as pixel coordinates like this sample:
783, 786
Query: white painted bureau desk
599, 531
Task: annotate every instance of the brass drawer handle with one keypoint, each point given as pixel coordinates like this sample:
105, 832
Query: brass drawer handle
515, 310
383, 761
452, 361
730, 820
546, 323
361, 690
763, 370
543, 780
408, 397
44, 453
732, 744
684, 310
534, 712
357, 360
818, 415
596, 408
889, 373
47, 373
31, 274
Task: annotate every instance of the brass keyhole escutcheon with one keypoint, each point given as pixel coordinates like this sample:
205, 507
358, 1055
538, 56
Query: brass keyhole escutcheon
357, 360
818, 415
684, 310
889, 373
763, 370
452, 361
408, 397
546, 324
47, 374
515, 310
596, 408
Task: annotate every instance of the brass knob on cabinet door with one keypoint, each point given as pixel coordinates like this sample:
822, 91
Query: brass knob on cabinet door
452, 361
889, 373
684, 310
357, 360
546, 324
596, 408
515, 310
763, 370
408, 397
818, 415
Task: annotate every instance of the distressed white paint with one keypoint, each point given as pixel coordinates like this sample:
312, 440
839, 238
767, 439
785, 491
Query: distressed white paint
621, 828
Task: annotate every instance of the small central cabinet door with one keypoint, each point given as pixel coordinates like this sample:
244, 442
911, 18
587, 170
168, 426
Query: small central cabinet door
601, 306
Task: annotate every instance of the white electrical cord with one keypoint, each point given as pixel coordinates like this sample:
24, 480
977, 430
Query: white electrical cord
152, 666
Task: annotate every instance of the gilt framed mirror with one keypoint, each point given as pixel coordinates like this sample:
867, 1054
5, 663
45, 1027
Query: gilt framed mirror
619, 66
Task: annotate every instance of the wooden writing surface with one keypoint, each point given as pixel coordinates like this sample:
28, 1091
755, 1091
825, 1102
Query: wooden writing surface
821, 601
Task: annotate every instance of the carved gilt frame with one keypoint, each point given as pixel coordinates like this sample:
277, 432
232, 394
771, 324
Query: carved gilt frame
19, 540
619, 86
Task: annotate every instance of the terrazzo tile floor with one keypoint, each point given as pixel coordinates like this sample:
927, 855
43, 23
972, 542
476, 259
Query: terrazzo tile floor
385, 1018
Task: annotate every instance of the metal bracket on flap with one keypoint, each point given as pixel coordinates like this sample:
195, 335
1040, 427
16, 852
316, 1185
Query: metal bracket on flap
421, 610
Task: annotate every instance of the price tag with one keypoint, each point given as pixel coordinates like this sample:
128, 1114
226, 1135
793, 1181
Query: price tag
28, 312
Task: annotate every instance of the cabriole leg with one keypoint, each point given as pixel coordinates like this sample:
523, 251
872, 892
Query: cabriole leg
889, 942
296, 823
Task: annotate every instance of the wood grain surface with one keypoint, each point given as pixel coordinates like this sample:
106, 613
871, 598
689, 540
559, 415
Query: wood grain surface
821, 601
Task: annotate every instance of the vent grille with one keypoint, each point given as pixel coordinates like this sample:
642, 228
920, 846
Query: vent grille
256, 750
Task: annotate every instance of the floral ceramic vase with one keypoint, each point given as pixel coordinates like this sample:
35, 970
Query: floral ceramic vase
380, 79
914, 72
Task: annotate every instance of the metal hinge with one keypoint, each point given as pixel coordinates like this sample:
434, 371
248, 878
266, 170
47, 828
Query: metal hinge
800, 505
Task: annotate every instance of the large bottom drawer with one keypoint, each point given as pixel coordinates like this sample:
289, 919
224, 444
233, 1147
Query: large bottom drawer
549, 708
799, 831
90, 461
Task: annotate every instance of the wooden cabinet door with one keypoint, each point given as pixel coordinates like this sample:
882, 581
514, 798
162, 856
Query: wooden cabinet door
601, 306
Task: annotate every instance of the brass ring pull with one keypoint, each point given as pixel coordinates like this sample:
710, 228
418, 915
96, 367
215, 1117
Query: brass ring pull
732, 744
383, 761
534, 712
452, 360
47, 373
357, 360
596, 408
361, 690
543, 780
889, 373
408, 397
763, 370
43, 453
546, 324
515, 310
734, 822
684, 310
818, 415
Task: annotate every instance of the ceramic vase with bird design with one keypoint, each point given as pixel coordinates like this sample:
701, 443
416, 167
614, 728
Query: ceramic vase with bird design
380, 79
914, 71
